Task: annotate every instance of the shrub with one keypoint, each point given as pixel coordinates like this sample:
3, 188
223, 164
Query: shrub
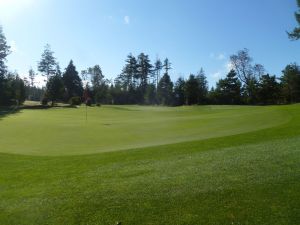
44, 101
75, 101
88, 102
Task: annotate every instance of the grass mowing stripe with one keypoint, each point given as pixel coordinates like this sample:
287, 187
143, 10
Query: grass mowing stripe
246, 178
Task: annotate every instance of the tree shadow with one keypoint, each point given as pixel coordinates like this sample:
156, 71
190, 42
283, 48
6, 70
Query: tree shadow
7, 111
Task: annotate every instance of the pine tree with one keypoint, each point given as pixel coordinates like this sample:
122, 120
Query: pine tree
228, 90
291, 83
47, 65
157, 69
269, 90
295, 34
144, 71
192, 90
72, 82
179, 92
55, 88
202, 87
165, 90
4, 52
31, 75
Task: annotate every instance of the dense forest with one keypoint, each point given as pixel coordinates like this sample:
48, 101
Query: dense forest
144, 82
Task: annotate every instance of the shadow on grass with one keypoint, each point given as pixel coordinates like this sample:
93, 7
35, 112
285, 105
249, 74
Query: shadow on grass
7, 111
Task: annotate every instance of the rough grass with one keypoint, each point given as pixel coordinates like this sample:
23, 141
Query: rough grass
248, 173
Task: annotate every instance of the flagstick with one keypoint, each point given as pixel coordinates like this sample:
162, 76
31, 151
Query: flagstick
85, 113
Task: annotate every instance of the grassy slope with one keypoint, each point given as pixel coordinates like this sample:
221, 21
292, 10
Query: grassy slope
250, 178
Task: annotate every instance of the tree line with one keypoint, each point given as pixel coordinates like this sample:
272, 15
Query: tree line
144, 82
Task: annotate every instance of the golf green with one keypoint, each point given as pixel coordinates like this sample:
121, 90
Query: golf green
63, 131
139, 165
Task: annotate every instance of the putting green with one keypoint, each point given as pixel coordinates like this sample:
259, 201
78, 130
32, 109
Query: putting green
64, 131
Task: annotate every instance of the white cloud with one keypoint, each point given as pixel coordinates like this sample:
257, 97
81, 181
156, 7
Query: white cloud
127, 20
228, 66
217, 75
219, 56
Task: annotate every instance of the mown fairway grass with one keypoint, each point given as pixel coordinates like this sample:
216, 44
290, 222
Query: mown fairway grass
151, 165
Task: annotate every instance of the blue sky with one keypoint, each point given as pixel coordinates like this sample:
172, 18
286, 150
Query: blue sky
191, 33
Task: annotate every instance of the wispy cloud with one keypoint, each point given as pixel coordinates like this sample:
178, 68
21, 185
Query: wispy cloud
222, 72
218, 56
217, 75
127, 20
228, 66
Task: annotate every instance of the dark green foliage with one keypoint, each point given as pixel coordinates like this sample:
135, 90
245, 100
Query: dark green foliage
269, 90
202, 87
165, 90
44, 101
295, 34
99, 86
157, 70
75, 101
192, 90
228, 90
4, 52
47, 65
291, 83
167, 66
72, 82
144, 69
250, 91
196, 89
129, 76
131, 86
55, 88
150, 95
179, 92
13, 91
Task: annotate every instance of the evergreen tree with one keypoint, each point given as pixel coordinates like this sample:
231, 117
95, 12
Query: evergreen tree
144, 68
228, 90
179, 92
4, 52
269, 90
31, 75
167, 66
150, 95
157, 69
14, 90
295, 34
250, 91
55, 88
47, 65
72, 82
165, 90
98, 83
202, 87
291, 83
192, 90
129, 76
